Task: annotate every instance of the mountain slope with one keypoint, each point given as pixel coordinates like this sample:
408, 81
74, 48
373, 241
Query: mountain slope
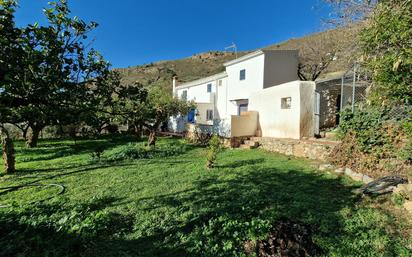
206, 64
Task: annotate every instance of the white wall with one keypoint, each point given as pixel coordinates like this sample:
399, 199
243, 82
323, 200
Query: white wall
277, 122
198, 93
216, 100
241, 89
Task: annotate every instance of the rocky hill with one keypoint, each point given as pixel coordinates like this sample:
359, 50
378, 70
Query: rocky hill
206, 64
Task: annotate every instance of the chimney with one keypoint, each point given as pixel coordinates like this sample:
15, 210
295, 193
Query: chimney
174, 85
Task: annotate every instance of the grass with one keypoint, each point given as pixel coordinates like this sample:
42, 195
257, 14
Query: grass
171, 205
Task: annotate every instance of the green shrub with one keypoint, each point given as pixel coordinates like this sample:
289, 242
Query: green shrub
135, 151
214, 148
375, 140
366, 125
225, 236
97, 153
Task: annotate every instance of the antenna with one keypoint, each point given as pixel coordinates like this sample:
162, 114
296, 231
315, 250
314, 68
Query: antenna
232, 46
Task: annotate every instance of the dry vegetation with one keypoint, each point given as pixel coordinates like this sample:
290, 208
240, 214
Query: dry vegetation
324, 52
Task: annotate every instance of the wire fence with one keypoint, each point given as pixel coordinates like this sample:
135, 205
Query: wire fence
354, 87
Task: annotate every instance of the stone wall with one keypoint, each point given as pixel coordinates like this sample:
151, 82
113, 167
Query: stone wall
316, 149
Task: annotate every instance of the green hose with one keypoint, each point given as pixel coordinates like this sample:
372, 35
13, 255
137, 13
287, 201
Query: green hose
61, 191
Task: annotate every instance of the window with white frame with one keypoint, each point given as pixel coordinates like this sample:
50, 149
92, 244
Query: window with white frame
209, 88
184, 95
286, 102
242, 74
209, 115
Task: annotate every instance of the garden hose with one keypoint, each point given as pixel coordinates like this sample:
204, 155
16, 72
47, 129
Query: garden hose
61, 191
383, 185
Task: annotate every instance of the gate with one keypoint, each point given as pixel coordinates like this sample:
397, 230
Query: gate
316, 113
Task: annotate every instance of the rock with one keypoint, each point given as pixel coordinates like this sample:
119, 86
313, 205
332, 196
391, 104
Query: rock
408, 206
366, 179
340, 170
403, 188
348, 172
356, 176
324, 167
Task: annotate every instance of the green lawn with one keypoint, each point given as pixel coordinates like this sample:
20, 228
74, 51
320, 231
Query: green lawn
169, 204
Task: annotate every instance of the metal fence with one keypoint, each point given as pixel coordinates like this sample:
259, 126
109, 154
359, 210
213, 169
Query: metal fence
354, 86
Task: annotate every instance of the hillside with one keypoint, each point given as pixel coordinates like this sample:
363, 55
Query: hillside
206, 64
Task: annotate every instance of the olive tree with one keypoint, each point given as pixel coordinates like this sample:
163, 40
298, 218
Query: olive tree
58, 67
45, 71
150, 107
11, 53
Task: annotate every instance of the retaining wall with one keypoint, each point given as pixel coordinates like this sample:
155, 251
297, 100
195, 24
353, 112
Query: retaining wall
316, 149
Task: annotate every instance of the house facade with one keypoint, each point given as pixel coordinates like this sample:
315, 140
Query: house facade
259, 94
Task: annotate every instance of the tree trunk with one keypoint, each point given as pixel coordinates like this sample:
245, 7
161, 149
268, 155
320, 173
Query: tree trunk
138, 131
25, 130
34, 137
152, 138
8, 155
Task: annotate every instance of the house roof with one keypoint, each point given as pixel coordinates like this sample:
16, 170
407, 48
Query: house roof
244, 58
202, 80
258, 53
331, 76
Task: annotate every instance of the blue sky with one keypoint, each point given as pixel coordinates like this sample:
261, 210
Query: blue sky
134, 32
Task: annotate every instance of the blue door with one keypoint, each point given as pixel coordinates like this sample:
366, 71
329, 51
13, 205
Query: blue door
191, 116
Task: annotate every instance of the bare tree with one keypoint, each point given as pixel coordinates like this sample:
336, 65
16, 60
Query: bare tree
315, 56
350, 11
332, 50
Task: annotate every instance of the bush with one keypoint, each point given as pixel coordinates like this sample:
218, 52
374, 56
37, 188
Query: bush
366, 126
97, 153
375, 140
214, 148
135, 151
112, 128
200, 137
225, 236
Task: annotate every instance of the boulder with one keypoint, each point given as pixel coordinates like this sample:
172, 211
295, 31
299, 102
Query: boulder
408, 206
324, 167
403, 188
366, 179
340, 170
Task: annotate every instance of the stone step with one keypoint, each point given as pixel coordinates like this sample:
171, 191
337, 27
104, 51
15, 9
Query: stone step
251, 143
255, 139
245, 146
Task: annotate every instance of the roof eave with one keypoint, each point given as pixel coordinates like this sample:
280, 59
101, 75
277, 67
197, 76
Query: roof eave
244, 58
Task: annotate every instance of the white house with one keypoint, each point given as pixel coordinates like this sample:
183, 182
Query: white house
259, 94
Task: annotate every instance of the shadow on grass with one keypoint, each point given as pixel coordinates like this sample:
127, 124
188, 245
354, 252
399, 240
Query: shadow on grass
36, 179
84, 229
265, 194
242, 163
259, 193
49, 151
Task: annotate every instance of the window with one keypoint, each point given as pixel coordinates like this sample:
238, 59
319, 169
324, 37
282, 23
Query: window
209, 88
184, 95
242, 75
242, 108
286, 102
209, 115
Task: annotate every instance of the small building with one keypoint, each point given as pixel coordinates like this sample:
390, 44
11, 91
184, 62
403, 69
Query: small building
259, 94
